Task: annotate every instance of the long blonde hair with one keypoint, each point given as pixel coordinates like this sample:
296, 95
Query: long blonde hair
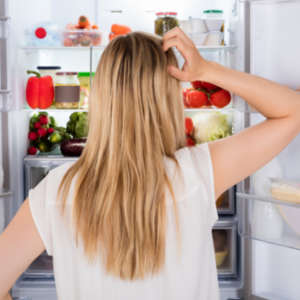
135, 120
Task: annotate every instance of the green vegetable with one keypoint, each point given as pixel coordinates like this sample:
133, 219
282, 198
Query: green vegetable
43, 146
210, 126
52, 122
77, 125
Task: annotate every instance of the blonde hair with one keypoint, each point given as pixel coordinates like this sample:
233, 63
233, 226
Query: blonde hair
135, 120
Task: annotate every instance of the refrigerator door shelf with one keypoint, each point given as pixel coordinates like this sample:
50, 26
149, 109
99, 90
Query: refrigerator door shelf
42, 267
226, 205
269, 220
225, 241
5, 100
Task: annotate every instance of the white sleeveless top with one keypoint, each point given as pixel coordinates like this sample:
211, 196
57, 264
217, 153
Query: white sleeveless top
192, 275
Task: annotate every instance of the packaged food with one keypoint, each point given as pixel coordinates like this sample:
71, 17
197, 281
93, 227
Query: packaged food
220, 245
85, 81
44, 34
82, 37
285, 190
117, 29
67, 90
215, 23
196, 29
49, 71
165, 21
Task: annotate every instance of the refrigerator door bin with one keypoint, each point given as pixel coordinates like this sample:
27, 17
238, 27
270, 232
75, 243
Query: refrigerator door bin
269, 220
225, 242
41, 267
4, 27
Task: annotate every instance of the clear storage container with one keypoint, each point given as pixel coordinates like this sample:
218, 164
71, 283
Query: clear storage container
81, 38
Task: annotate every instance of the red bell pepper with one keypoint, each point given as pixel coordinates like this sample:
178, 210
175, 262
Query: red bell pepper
39, 91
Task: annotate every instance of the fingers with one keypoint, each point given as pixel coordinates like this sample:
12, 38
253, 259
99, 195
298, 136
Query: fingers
178, 43
177, 73
177, 32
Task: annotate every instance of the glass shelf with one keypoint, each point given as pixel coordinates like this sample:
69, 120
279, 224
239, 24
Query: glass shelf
266, 219
54, 110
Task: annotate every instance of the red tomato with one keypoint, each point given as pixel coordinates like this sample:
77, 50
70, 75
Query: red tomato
190, 142
197, 99
196, 84
220, 98
189, 126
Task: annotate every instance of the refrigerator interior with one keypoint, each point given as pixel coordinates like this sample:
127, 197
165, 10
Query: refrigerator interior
139, 16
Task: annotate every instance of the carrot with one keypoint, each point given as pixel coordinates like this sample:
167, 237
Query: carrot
83, 22
120, 29
95, 26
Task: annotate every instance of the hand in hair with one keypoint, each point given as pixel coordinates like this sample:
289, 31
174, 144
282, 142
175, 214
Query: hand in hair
195, 65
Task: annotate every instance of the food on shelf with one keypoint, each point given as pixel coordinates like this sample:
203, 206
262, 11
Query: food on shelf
49, 71
222, 200
117, 29
196, 98
189, 126
285, 190
85, 80
44, 135
77, 125
82, 34
220, 98
73, 147
39, 91
205, 95
164, 22
44, 34
67, 90
196, 29
190, 141
221, 247
215, 23
210, 126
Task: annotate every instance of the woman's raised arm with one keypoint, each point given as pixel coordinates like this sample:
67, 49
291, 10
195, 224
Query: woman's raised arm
236, 157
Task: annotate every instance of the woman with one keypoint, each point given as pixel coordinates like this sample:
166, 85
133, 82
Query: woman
134, 215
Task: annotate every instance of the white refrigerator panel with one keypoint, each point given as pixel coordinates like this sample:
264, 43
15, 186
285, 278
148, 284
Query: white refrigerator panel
274, 54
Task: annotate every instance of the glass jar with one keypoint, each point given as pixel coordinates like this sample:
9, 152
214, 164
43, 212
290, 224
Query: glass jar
165, 21
67, 90
85, 85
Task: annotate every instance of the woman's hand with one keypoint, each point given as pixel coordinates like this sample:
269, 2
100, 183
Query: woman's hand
195, 67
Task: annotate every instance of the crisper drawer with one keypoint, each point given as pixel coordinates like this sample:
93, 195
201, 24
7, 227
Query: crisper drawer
225, 242
226, 202
269, 220
37, 167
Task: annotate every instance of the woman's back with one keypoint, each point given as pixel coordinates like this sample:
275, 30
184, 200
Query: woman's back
189, 271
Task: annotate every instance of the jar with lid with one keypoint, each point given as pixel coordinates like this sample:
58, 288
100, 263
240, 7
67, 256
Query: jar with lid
67, 90
165, 21
49, 71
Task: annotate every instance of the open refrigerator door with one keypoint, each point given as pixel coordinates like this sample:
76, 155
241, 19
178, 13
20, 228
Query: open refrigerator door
269, 201
68, 49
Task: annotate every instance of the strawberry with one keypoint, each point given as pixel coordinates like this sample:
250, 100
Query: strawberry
220, 98
42, 132
43, 120
184, 94
189, 126
37, 125
32, 135
196, 84
50, 130
190, 142
197, 98
208, 86
32, 150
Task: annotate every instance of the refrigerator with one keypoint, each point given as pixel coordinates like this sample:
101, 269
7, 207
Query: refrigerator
260, 233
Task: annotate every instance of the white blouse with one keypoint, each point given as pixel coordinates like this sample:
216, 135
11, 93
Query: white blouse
190, 275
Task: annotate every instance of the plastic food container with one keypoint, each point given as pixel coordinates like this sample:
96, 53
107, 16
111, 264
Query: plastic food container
85, 80
67, 90
83, 37
49, 71
214, 19
196, 29
285, 190
198, 25
165, 21
199, 38
214, 38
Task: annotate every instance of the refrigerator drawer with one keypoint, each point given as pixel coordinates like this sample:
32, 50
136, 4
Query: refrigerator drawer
225, 243
226, 202
269, 220
37, 167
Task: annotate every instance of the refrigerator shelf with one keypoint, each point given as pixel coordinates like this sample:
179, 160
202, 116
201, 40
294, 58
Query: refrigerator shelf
54, 110
5, 194
269, 220
102, 47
